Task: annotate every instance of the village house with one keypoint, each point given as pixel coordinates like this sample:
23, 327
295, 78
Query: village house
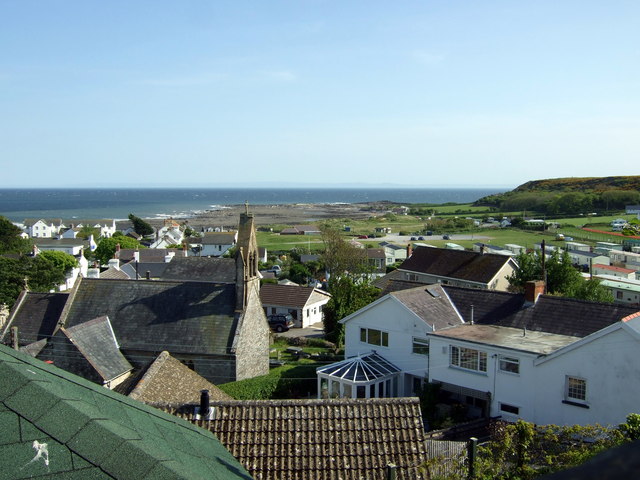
305, 304
43, 227
541, 358
453, 267
212, 244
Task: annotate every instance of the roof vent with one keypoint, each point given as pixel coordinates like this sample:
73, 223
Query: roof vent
204, 411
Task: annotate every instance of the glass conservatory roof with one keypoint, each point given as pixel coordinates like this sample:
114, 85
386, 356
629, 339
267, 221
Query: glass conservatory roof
366, 368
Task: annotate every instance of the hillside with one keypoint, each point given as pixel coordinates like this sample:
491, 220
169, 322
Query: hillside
581, 184
558, 196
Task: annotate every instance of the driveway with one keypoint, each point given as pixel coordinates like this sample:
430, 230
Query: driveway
313, 331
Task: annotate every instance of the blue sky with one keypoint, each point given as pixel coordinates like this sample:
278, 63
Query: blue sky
420, 93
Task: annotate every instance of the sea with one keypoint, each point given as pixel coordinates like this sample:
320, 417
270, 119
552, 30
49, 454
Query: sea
84, 203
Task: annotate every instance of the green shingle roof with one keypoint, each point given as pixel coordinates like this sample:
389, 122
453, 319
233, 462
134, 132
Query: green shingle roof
54, 424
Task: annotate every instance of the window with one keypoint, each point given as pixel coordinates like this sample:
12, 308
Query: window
420, 346
619, 295
509, 364
468, 358
374, 337
506, 408
412, 277
576, 389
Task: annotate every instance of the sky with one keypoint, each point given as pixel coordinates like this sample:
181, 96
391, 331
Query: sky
433, 93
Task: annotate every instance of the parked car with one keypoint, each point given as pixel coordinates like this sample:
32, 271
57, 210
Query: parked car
280, 322
413, 238
420, 238
446, 237
362, 236
275, 269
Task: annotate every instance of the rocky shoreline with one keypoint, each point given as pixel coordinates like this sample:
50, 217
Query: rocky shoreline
284, 214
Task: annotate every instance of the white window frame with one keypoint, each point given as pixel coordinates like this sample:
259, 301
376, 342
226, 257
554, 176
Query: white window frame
463, 358
512, 364
420, 344
574, 385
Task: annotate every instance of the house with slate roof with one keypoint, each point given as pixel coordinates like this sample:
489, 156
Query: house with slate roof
56, 425
212, 244
541, 358
395, 327
305, 304
320, 439
43, 227
454, 267
35, 317
89, 350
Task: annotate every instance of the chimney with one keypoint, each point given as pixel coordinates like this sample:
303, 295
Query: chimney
148, 275
409, 250
532, 290
117, 254
184, 249
93, 273
114, 263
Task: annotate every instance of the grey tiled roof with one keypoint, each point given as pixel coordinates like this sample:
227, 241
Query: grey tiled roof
202, 269
167, 381
35, 315
182, 317
148, 254
155, 269
430, 303
550, 314
215, 238
95, 341
56, 425
322, 439
458, 264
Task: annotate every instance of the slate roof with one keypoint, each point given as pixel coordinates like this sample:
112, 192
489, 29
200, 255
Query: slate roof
550, 314
116, 274
35, 315
155, 269
201, 269
96, 342
182, 317
333, 439
293, 296
216, 238
60, 242
148, 254
166, 381
54, 424
29, 222
376, 253
458, 264
394, 281
431, 304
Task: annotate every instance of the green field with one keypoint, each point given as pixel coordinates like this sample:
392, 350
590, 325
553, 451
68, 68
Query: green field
413, 225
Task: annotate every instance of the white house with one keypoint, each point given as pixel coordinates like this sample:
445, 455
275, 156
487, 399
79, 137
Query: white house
212, 244
106, 227
305, 304
43, 227
626, 273
552, 360
541, 358
395, 327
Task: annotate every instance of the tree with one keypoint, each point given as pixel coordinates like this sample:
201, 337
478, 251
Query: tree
43, 274
12, 279
107, 247
339, 257
11, 240
299, 273
347, 296
140, 226
562, 277
61, 260
87, 230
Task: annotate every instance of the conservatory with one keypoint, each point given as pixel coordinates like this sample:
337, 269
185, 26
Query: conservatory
365, 376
